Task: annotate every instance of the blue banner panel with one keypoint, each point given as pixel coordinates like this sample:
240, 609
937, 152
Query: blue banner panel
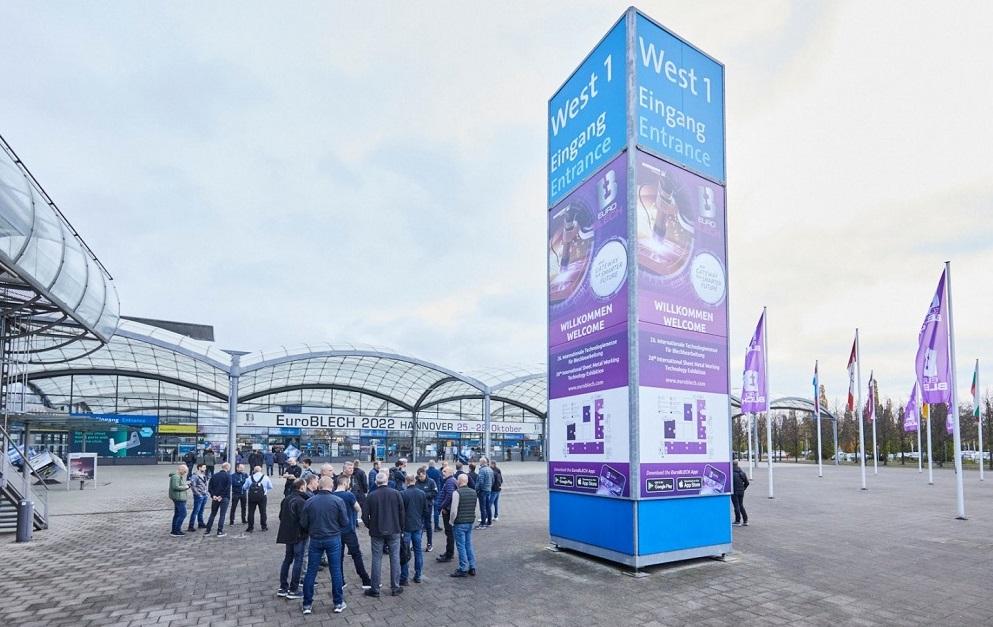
678, 101
606, 523
586, 117
677, 524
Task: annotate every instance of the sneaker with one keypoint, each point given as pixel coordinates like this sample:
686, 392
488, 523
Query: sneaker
496, 518
190, 529
221, 534
206, 533
480, 526
372, 593
429, 549
367, 586
744, 524
736, 524
397, 591
176, 534
249, 530
338, 609
472, 572
293, 595
281, 592
459, 573
344, 585
306, 609
417, 580
438, 529
404, 582
444, 558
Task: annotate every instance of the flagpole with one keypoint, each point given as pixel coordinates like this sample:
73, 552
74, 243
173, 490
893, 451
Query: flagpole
817, 409
768, 390
750, 418
920, 423
930, 468
875, 450
979, 411
954, 405
858, 406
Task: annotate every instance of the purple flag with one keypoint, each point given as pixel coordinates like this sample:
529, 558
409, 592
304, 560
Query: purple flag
932, 350
753, 390
911, 414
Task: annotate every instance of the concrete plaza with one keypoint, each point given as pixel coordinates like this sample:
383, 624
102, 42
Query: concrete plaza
822, 552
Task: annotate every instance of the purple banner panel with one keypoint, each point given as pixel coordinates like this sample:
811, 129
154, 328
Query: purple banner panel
685, 479
589, 367
587, 258
681, 360
754, 395
682, 276
602, 479
911, 414
932, 352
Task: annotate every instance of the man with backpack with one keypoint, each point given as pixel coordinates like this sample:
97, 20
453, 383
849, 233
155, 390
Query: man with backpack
238, 495
739, 484
257, 486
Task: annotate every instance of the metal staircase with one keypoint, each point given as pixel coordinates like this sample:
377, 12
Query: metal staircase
12, 489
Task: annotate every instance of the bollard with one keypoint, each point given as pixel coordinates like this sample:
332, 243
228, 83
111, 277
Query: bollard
24, 520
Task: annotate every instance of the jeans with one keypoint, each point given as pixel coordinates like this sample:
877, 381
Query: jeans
236, 500
738, 501
268, 469
351, 540
485, 514
463, 540
437, 516
495, 503
429, 530
378, 542
294, 556
196, 515
221, 505
331, 547
449, 534
178, 515
261, 505
413, 538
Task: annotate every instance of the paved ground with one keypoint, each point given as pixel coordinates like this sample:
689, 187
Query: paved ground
821, 552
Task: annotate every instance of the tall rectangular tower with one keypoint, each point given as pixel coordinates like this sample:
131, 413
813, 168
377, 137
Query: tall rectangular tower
638, 406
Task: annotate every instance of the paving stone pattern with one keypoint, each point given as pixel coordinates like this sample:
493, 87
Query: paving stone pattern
823, 552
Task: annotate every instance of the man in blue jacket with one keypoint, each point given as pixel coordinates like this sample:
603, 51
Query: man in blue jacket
238, 496
324, 517
435, 475
416, 512
444, 504
220, 495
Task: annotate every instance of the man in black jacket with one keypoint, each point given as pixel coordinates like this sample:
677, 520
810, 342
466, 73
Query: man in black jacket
417, 511
238, 496
323, 518
384, 515
255, 459
220, 495
292, 535
739, 482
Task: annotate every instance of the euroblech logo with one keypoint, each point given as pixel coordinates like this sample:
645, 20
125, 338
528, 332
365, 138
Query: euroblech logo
250, 418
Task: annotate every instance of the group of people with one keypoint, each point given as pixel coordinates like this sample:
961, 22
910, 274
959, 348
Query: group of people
321, 511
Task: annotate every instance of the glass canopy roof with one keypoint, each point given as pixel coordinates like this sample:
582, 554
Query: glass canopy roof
148, 357
52, 286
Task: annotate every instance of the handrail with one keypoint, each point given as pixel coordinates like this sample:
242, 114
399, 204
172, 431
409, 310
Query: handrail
24, 458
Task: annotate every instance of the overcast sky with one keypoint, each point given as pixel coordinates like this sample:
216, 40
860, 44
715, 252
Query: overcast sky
375, 172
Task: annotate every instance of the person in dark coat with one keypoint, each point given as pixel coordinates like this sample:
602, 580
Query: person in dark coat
238, 496
417, 515
739, 482
435, 475
293, 536
384, 516
255, 459
444, 504
430, 488
219, 489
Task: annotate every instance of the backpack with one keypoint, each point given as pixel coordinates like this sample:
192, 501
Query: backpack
255, 491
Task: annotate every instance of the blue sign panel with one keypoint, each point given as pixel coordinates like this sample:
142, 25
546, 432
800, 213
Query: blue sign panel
289, 431
586, 117
449, 435
372, 433
678, 101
